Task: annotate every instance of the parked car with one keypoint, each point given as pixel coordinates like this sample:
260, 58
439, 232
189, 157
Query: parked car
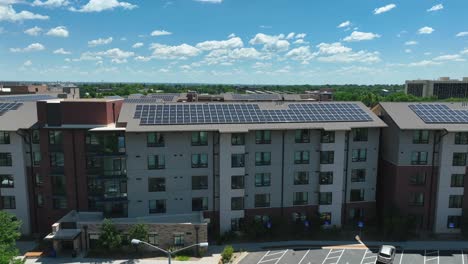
386, 254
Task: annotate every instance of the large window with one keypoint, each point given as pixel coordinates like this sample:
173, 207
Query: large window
157, 206
262, 200
238, 160
263, 137
36, 158
459, 159
156, 184
200, 138
200, 160
325, 198
455, 201
58, 185
6, 181
358, 175
327, 157
40, 200
461, 138
300, 198
238, 139
302, 136
237, 203
4, 137
156, 162
327, 136
5, 160
237, 224
262, 179
421, 137
55, 137
453, 221
154, 139
326, 177
359, 155
179, 240
237, 182
199, 182
36, 136
457, 180
38, 179
153, 239
417, 178
357, 195
416, 199
59, 203
360, 134
56, 159
8, 202
200, 204
301, 157
419, 158
262, 158
301, 178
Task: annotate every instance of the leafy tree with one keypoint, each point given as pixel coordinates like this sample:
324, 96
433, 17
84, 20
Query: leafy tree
227, 253
139, 231
110, 238
9, 233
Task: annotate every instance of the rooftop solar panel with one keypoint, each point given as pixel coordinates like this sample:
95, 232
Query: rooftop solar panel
257, 97
182, 114
440, 114
5, 107
143, 100
26, 98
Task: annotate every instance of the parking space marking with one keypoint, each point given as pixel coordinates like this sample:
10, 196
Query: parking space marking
401, 256
463, 257
267, 255
303, 257
333, 255
368, 257
431, 256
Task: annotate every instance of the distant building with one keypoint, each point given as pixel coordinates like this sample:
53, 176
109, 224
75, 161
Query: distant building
442, 88
60, 90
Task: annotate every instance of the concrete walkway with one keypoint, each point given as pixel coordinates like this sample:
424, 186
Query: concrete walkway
214, 259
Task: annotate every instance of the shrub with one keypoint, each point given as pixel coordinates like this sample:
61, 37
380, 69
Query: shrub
110, 238
227, 254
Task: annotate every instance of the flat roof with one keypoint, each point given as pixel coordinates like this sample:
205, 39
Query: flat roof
64, 234
24, 117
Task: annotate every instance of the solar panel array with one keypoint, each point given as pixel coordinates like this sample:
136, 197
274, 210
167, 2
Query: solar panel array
26, 98
439, 114
5, 107
168, 97
143, 100
181, 114
257, 97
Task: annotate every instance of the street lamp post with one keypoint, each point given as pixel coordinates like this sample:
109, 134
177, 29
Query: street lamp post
168, 252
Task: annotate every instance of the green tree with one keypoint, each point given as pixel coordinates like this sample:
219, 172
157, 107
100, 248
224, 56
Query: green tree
139, 231
110, 238
9, 233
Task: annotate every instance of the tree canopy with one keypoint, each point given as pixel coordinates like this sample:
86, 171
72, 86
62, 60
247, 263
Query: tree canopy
9, 233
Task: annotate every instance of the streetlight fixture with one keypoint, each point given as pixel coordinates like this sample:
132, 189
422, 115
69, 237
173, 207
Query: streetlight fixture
168, 252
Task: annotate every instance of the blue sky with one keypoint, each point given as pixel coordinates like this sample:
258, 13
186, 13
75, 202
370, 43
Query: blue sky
233, 41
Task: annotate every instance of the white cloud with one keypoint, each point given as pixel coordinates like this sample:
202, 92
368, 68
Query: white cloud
411, 43
451, 57
290, 35
300, 41
100, 41
223, 56
348, 57
58, 32
465, 51
158, 33
27, 63
333, 48
142, 58
7, 13
183, 51
138, 45
423, 63
270, 43
116, 55
231, 43
31, 47
360, 36
425, 30
301, 54
301, 35
34, 31
232, 35
408, 51
61, 51
210, 1
344, 24
384, 9
50, 3
102, 5
436, 8
462, 34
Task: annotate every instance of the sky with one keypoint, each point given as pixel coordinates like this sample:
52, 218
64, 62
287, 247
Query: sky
233, 41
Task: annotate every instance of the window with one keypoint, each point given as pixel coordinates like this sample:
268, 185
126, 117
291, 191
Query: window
262, 179
36, 136
300, 198
58, 185
360, 134
157, 206
153, 239
237, 160
325, 198
299, 217
55, 137
301, 177
39, 200
36, 158
416, 199
154, 139
200, 160
8, 202
301, 157
327, 136
156, 184
356, 214
421, 137
56, 159
262, 200
5, 160
59, 203
326, 177
262, 158
359, 155
419, 158
453, 221
237, 182
263, 137
358, 175
200, 204
325, 218
262, 219
237, 203
357, 195
156, 162
302, 136
38, 179
457, 180
459, 159
4, 137
461, 138
455, 201
199, 138
418, 178
7, 181
237, 224
199, 182
238, 139
179, 240
327, 157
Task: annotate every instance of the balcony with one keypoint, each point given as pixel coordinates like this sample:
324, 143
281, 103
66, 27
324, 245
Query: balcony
103, 173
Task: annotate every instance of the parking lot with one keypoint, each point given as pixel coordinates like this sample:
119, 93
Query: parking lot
338, 255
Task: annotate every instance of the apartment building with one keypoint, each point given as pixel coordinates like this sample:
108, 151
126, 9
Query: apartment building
423, 164
235, 161
442, 88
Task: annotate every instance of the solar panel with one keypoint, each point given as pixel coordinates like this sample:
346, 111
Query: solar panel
439, 114
143, 100
257, 97
5, 107
179, 114
26, 98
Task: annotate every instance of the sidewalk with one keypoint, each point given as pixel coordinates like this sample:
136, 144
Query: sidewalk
214, 259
